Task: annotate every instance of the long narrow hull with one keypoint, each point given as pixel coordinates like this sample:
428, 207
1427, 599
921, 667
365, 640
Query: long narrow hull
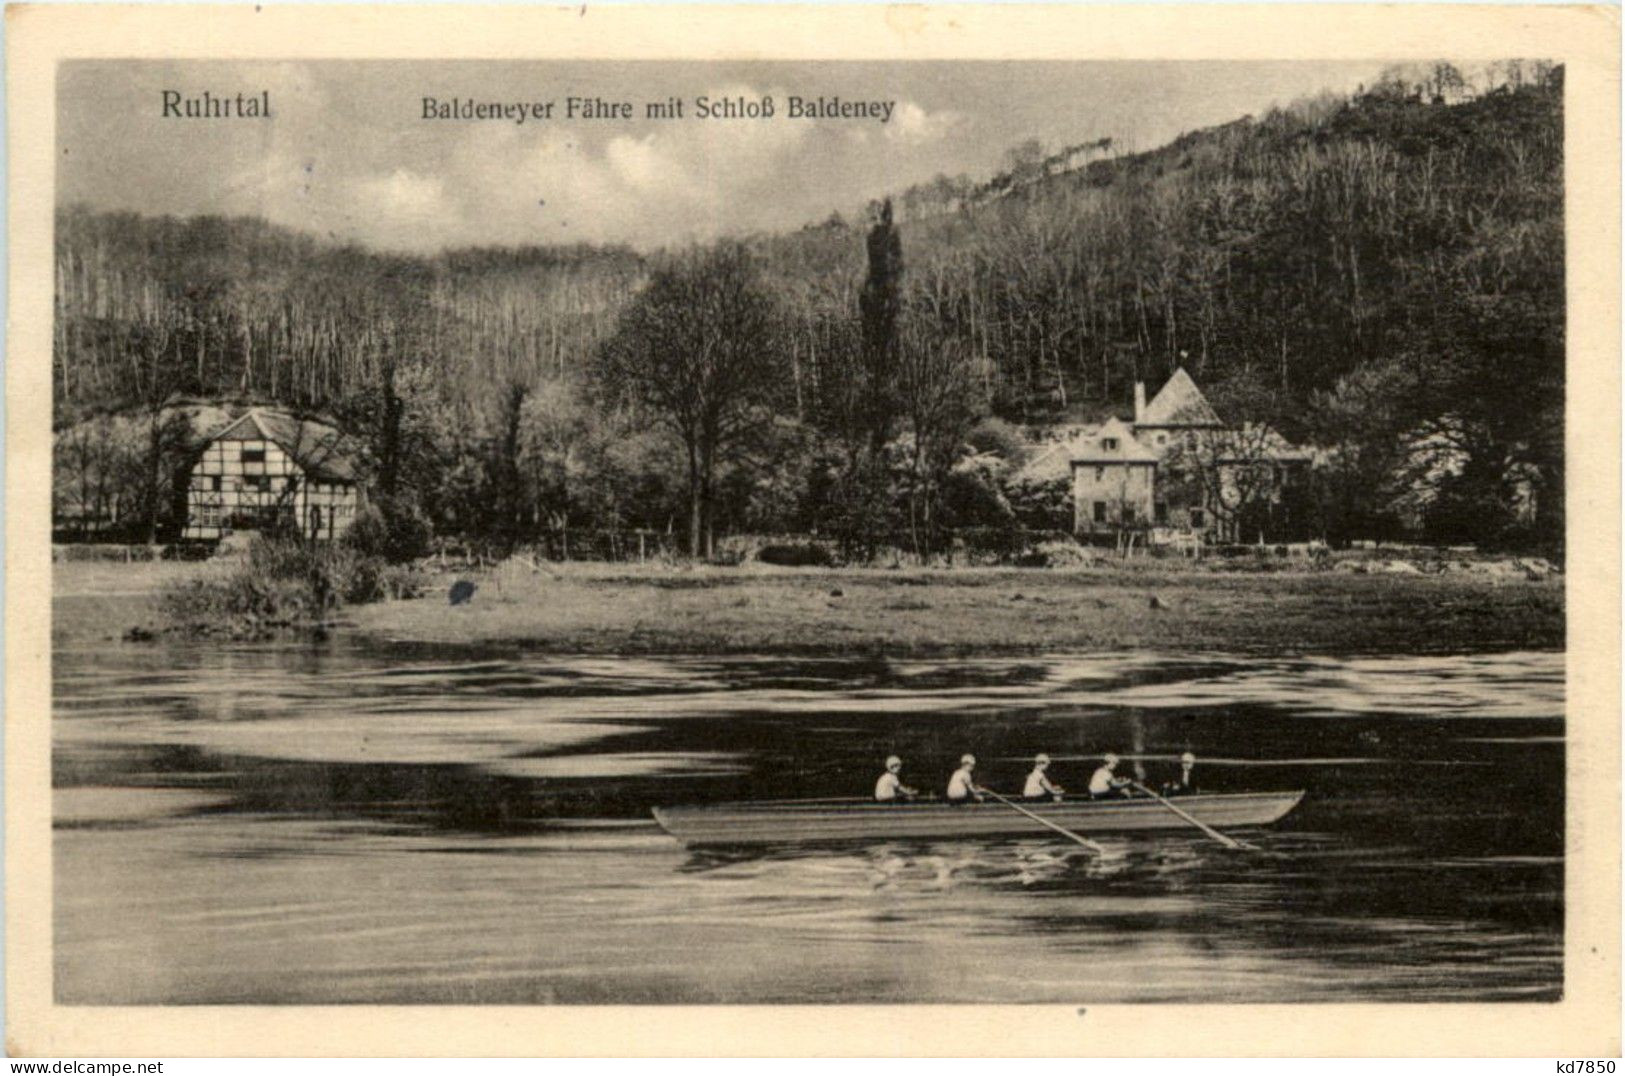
808, 821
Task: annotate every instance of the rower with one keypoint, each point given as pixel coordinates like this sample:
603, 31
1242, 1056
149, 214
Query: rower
1182, 786
1105, 783
961, 787
890, 787
1038, 786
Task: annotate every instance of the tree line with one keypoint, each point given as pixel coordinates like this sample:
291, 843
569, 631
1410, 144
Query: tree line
1379, 277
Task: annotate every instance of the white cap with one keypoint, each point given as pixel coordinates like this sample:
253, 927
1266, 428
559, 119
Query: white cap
1187, 758
894, 763
1041, 760
968, 760
1110, 759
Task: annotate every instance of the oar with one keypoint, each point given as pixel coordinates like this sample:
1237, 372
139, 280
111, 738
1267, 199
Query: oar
1228, 842
1041, 820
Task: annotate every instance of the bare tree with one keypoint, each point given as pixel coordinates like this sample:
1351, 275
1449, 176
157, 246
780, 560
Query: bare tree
85, 469
937, 385
1236, 474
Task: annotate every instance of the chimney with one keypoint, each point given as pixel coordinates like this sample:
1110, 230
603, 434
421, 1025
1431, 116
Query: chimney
1139, 401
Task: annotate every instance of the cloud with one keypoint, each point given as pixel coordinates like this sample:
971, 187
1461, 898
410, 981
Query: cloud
349, 158
670, 182
639, 163
913, 125
403, 195
348, 154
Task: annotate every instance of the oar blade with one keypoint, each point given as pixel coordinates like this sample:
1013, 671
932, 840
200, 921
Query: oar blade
1228, 842
1098, 849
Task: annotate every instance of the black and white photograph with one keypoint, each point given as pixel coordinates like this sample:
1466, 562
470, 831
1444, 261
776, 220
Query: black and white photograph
590, 532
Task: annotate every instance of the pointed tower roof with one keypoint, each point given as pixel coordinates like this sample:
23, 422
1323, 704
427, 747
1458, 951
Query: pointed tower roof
1179, 403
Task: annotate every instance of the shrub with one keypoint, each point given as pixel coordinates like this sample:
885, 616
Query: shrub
1002, 439
394, 529
1057, 553
369, 533
400, 581
800, 555
284, 583
971, 498
1042, 504
991, 544
188, 551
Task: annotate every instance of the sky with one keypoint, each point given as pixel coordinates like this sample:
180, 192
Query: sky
348, 155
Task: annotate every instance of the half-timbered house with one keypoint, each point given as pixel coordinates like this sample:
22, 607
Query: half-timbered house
266, 470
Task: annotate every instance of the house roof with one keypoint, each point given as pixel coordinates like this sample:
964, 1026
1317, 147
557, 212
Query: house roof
1263, 443
322, 451
1179, 403
1113, 442
246, 427
1048, 463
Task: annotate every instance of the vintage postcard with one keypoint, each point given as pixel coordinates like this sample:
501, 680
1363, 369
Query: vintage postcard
655, 530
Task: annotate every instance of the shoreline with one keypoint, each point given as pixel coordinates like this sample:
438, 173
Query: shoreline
979, 612
607, 609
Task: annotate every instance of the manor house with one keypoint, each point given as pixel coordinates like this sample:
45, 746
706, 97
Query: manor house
1177, 472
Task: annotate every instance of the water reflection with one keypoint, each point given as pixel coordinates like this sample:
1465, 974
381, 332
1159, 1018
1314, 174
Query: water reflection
348, 823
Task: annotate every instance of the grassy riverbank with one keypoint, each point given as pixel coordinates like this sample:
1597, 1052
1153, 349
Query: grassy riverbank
96, 601
612, 609
604, 608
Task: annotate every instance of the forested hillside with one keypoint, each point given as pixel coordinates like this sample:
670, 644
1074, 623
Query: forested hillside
1369, 275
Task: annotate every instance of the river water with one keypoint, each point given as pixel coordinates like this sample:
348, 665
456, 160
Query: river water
366, 822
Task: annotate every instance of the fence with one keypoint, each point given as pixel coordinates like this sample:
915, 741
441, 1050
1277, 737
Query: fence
965, 545
957, 546
561, 545
127, 554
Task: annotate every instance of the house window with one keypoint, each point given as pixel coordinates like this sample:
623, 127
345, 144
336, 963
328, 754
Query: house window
1100, 511
290, 483
1128, 513
1162, 438
253, 455
210, 514
255, 482
1100, 474
1109, 444
214, 483
1197, 519
1162, 511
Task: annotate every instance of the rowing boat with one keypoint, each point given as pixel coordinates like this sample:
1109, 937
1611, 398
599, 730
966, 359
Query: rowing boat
806, 821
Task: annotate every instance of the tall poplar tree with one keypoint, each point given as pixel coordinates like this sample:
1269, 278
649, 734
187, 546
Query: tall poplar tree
880, 305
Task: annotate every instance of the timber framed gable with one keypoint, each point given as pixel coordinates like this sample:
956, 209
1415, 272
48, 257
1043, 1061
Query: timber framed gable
266, 470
